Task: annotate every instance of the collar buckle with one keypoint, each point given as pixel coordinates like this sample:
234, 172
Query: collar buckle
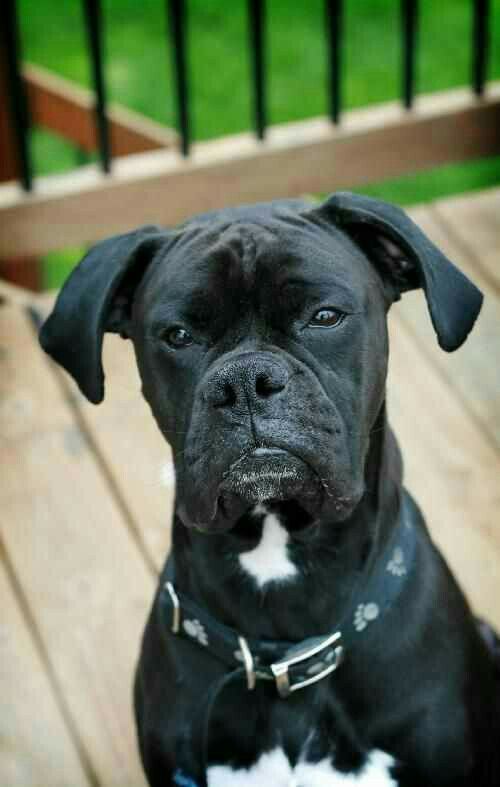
317, 670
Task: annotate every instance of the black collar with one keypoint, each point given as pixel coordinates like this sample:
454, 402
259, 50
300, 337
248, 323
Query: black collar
292, 665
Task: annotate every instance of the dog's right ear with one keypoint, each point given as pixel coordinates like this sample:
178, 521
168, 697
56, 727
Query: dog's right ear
96, 298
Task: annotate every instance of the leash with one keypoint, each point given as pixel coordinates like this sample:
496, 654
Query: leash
291, 665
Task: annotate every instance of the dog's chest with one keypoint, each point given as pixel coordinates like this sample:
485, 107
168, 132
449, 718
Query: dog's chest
273, 769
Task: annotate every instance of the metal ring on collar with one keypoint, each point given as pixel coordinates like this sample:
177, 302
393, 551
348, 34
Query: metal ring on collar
248, 662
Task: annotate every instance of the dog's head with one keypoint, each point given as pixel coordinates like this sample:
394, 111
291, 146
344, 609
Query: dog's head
260, 336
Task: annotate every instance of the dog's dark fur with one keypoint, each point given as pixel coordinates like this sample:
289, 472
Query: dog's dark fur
246, 284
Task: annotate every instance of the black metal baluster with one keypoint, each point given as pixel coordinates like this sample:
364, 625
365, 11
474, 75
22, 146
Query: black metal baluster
256, 15
178, 37
93, 19
18, 105
480, 44
409, 19
334, 19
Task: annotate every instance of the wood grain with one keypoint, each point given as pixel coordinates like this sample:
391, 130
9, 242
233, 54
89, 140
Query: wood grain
450, 468
68, 109
471, 371
134, 454
474, 220
36, 749
86, 586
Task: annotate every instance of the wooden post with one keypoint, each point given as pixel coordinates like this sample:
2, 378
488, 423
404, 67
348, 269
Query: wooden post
24, 271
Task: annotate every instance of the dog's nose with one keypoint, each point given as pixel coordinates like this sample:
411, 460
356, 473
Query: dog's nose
245, 381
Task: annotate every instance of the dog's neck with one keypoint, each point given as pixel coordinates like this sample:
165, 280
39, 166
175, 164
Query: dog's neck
330, 566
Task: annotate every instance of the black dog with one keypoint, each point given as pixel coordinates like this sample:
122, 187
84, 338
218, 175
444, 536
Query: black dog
309, 632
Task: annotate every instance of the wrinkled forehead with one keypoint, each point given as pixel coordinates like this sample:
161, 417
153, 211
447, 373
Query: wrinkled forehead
249, 258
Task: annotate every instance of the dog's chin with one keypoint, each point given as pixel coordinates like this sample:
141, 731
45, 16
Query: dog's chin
265, 479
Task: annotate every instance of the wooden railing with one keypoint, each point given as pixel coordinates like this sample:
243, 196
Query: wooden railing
148, 173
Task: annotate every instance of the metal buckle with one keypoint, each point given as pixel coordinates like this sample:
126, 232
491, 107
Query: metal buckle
248, 662
176, 607
282, 676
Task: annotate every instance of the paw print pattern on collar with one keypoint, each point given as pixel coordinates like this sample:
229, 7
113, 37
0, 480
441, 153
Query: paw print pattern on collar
365, 614
396, 564
195, 630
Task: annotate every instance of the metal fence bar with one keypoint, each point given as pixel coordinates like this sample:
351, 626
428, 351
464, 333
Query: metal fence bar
409, 19
18, 106
256, 15
480, 44
334, 18
93, 19
178, 35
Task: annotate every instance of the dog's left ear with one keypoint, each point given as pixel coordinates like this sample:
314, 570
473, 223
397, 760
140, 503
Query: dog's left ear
407, 259
97, 297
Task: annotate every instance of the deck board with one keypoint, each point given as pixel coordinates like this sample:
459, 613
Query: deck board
470, 371
123, 432
475, 221
87, 587
85, 518
36, 749
133, 448
450, 468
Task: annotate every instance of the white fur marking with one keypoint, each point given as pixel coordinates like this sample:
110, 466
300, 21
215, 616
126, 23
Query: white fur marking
273, 769
269, 561
375, 773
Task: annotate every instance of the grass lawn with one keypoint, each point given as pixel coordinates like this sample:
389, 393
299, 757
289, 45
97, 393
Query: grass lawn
139, 73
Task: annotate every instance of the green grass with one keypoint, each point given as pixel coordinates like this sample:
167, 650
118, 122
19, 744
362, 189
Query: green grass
139, 75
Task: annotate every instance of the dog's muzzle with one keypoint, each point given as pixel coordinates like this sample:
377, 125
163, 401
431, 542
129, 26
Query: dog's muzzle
269, 475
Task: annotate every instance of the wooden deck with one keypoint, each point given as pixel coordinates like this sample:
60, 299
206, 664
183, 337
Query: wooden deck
84, 515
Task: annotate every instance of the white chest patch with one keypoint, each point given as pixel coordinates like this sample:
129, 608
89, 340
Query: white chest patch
273, 769
269, 561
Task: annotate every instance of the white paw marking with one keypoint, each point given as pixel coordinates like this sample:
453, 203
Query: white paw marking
269, 560
273, 769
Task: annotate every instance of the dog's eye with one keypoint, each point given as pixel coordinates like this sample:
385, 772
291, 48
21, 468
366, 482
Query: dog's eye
177, 337
326, 318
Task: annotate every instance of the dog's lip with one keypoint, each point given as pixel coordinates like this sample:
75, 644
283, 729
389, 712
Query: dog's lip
264, 462
264, 472
268, 451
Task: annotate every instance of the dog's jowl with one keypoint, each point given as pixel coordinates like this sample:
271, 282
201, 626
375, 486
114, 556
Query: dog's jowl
305, 630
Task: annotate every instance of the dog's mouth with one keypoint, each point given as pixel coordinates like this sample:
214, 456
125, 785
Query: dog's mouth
299, 523
271, 480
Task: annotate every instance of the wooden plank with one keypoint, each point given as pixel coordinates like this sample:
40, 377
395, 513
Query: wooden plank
450, 467
84, 581
137, 458
469, 371
12, 293
296, 158
36, 748
68, 109
135, 453
9, 163
474, 221
24, 271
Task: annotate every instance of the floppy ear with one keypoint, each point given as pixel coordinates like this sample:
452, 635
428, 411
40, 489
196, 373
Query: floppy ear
97, 297
408, 259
